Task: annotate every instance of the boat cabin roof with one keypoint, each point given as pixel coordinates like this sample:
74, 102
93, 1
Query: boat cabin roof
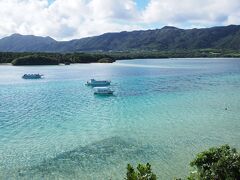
98, 80
101, 88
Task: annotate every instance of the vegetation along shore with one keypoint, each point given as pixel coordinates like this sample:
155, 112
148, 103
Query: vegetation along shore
34, 58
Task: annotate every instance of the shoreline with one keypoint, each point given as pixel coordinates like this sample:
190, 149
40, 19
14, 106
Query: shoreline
170, 58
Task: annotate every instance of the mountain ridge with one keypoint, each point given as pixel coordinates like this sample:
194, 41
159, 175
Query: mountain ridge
167, 38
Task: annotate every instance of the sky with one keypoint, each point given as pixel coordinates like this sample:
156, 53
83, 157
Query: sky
73, 19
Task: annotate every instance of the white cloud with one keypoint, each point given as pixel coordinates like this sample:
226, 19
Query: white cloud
67, 19
200, 13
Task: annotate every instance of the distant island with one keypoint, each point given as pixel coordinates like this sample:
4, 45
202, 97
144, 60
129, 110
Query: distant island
38, 59
27, 59
34, 60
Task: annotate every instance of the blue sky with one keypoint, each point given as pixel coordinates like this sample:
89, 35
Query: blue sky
50, 1
142, 3
70, 19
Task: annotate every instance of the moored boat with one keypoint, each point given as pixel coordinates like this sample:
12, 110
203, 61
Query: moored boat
103, 91
96, 83
32, 76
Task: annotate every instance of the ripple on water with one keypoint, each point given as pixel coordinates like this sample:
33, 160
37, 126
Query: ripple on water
107, 153
56, 127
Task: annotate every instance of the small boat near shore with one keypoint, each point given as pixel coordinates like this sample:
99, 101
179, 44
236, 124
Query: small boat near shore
32, 76
103, 91
95, 83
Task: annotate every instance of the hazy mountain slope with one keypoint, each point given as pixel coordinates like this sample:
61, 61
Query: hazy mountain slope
21, 43
167, 38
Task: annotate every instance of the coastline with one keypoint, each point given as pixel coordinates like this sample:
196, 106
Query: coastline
117, 60
110, 57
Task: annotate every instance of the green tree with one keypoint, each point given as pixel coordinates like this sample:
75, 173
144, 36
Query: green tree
222, 163
144, 172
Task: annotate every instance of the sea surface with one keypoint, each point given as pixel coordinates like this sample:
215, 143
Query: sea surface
164, 111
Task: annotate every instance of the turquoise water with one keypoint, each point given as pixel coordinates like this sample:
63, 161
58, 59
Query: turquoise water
164, 111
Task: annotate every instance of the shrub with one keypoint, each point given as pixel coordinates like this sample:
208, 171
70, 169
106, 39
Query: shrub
144, 172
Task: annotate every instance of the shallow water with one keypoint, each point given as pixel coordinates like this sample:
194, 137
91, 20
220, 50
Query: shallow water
164, 111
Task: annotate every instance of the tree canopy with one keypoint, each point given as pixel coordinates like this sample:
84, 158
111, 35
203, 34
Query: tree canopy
218, 163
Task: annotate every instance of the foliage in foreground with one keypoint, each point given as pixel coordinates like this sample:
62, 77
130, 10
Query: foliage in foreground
218, 163
144, 172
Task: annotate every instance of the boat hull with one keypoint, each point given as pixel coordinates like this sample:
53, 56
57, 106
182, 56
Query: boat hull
96, 83
32, 76
108, 93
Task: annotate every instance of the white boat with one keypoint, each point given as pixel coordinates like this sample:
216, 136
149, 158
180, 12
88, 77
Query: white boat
32, 76
103, 90
96, 83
